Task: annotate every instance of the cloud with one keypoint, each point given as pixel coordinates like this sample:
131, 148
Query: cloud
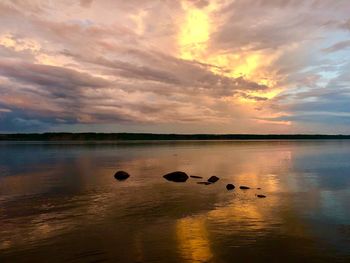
120, 62
86, 3
64, 95
338, 46
199, 3
51, 77
324, 119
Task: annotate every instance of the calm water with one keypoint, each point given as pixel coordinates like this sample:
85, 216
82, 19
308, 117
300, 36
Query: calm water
60, 202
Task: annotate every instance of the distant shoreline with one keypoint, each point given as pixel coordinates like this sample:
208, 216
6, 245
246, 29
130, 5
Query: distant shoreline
161, 137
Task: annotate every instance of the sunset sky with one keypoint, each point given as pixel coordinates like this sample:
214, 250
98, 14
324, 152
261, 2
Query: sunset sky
168, 66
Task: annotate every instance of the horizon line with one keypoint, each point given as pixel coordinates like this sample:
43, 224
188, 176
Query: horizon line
94, 136
180, 134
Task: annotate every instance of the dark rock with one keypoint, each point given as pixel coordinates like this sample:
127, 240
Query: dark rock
261, 196
244, 187
230, 187
178, 177
206, 183
258, 188
196, 177
213, 179
121, 175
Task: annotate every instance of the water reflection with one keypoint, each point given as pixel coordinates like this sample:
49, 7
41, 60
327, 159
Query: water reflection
66, 205
193, 239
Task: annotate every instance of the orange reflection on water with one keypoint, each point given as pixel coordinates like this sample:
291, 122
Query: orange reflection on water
194, 244
244, 213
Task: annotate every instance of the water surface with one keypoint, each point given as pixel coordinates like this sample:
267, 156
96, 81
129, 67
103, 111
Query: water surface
59, 202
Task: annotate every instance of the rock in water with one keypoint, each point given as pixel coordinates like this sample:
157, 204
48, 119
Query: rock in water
244, 187
261, 196
176, 177
213, 179
206, 183
121, 175
230, 187
196, 177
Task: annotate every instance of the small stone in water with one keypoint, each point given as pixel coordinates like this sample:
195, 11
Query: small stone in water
230, 187
121, 175
177, 176
213, 179
205, 183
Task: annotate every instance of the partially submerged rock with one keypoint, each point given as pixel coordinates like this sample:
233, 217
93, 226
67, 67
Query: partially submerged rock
213, 179
121, 175
196, 177
177, 176
261, 196
230, 187
244, 187
205, 183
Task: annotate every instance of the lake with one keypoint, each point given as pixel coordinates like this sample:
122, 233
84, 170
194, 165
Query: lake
59, 202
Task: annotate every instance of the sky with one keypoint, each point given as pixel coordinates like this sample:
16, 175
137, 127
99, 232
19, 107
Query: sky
168, 66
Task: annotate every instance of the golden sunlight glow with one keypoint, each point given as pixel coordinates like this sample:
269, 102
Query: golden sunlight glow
193, 239
288, 123
9, 41
238, 65
194, 33
193, 41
